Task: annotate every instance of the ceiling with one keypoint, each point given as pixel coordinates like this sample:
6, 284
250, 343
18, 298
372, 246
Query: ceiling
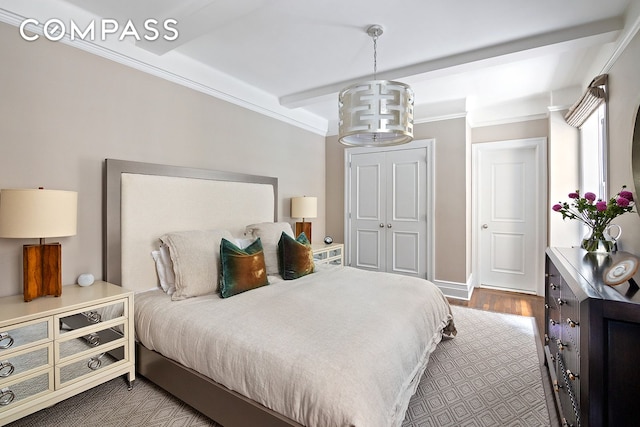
494, 60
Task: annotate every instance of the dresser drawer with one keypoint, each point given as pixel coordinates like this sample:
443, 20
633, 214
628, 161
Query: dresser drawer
91, 340
22, 335
21, 363
569, 394
111, 356
87, 318
17, 392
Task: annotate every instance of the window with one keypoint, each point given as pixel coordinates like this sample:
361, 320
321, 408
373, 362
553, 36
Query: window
593, 153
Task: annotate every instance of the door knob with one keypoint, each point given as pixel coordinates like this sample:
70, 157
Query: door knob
381, 225
388, 225
485, 226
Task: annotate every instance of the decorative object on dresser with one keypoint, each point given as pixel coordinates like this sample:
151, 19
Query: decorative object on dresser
376, 113
597, 216
304, 207
622, 271
39, 213
55, 348
592, 338
86, 279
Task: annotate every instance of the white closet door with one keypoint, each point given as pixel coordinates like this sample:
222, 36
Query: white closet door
406, 212
368, 226
388, 211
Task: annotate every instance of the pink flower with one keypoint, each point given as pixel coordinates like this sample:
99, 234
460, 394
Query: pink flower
590, 197
622, 202
601, 206
573, 195
627, 195
557, 207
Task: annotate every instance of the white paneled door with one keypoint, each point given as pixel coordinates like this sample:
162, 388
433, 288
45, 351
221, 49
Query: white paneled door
388, 211
508, 202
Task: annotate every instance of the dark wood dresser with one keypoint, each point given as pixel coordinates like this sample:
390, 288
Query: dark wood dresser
592, 340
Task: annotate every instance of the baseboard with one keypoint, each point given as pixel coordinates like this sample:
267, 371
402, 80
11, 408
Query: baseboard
455, 290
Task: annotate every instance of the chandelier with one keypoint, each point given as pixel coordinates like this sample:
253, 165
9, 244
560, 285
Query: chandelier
376, 113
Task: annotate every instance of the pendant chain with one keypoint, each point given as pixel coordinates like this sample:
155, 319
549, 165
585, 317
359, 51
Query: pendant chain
375, 56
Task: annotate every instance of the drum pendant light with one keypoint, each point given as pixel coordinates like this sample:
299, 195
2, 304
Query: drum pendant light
376, 113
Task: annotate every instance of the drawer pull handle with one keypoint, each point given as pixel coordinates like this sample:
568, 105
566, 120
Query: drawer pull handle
561, 345
546, 338
6, 369
93, 339
572, 323
4, 336
553, 286
553, 322
556, 386
560, 301
95, 362
546, 306
6, 396
93, 316
571, 375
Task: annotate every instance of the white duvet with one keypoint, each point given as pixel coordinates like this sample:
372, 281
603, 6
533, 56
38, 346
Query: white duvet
339, 347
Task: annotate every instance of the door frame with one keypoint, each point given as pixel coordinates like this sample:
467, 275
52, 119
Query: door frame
429, 146
540, 146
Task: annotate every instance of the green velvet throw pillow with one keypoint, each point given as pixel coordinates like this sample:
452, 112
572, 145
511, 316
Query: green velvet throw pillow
242, 269
295, 258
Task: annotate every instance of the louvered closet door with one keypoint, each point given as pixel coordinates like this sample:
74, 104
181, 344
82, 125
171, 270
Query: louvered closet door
388, 211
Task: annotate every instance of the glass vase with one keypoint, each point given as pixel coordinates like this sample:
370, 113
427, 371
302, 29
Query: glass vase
596, 242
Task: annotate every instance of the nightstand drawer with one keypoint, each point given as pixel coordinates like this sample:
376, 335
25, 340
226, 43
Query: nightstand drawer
90, 342
22, 391
88, 317
77, 369
332, 253
23, 335
21, 363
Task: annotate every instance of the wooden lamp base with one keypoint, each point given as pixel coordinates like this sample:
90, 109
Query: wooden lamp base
304, 227
42, 268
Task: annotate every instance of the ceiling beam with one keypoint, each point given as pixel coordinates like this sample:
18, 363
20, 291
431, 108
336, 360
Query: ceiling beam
581, 35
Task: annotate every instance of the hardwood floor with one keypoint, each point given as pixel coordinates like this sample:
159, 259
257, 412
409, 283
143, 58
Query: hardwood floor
506, 302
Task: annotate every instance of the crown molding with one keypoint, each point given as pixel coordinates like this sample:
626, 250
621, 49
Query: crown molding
622, 43
508, 120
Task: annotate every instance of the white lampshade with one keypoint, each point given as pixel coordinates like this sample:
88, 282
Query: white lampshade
38, 213
304, 207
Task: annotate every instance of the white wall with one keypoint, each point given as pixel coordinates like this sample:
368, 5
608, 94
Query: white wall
63, 111
624, 99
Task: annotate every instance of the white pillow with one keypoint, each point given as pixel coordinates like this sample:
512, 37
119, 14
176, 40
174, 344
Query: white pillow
242, 242
270, 233
164, 267
196, 259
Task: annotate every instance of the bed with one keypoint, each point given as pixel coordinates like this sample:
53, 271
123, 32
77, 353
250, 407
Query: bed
339, 346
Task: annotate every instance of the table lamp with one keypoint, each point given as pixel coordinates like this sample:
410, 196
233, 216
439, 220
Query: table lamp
304, 207
39, 213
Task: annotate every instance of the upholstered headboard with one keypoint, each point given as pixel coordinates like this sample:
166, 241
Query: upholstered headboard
144, 201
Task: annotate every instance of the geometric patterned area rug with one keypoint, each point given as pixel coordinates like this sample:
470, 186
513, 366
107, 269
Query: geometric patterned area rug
488, 375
